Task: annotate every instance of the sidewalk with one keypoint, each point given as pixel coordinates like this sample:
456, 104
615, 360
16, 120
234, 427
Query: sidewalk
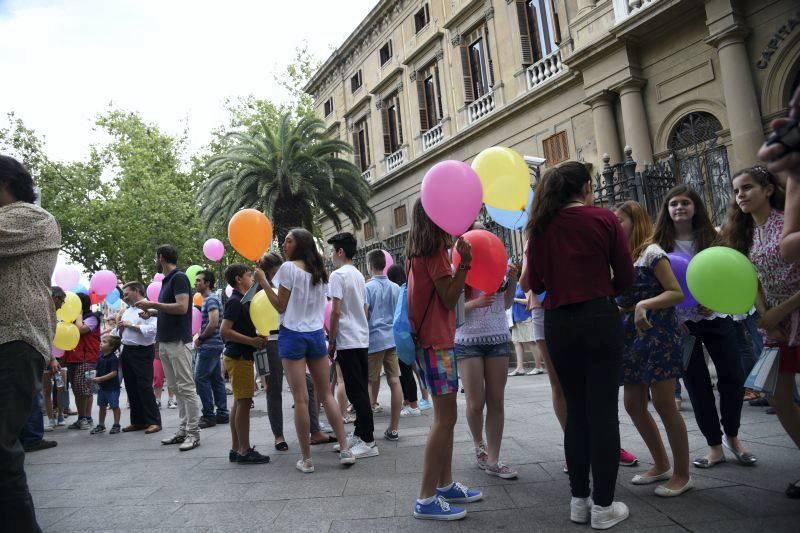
130, 482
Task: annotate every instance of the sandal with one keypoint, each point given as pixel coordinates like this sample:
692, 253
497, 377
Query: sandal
331, 439
744, 458
282, 446
750, 395
349, 419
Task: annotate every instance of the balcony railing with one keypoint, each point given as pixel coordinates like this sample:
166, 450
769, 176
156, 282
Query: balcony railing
481, 107
432, 137
627, 8
395, 160
545, 69
367, 175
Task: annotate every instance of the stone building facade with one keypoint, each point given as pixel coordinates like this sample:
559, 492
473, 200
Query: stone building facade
690, 84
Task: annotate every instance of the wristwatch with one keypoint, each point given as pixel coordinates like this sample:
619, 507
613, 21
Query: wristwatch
464, 267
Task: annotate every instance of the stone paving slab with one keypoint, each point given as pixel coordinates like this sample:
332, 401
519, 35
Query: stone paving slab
130, 482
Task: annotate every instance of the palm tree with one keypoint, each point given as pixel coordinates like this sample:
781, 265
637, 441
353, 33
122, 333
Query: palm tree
291, 175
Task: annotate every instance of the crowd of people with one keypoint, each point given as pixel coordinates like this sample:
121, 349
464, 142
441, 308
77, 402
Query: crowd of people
595, 298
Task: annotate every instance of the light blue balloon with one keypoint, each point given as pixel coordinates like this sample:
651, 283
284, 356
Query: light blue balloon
541, 296
113, 297
114, 305
513, 220
81, 288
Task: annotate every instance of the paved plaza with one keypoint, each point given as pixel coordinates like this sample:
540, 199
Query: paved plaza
130, 482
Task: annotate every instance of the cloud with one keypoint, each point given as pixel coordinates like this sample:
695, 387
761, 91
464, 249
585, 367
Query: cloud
174, 61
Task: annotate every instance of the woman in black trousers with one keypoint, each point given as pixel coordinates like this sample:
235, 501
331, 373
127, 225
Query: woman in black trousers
573, 248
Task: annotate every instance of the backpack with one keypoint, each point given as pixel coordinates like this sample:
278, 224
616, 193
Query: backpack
405, 344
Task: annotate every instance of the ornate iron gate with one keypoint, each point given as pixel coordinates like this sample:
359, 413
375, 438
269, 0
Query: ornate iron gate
700, 162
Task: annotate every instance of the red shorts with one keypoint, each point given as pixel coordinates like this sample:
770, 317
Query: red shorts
790, 359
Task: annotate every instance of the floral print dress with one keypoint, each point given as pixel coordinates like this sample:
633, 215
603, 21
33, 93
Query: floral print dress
654, 355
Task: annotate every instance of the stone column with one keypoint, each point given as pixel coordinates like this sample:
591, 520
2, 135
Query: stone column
634, 121
605, 126
585, 5
741, 102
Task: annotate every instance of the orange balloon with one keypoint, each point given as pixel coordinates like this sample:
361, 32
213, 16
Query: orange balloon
198, 299
250, 233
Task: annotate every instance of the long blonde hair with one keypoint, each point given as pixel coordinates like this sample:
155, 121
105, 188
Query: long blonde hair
642, 233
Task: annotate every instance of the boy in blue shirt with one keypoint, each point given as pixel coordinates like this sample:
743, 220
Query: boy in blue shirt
107, 380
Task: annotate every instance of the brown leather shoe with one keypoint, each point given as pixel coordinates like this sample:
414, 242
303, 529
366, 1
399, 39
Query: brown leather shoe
153, 429
133, 427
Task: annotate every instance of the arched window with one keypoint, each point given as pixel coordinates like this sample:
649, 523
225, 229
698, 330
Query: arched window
700, 162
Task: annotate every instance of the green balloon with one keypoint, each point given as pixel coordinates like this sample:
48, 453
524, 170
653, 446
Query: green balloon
723, 280
192, 272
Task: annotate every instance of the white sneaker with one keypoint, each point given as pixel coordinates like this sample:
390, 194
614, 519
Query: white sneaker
350, 443
410, 411
580, 509
347, 458
172, 404
305, 466
363, 449
50, 426
608, 517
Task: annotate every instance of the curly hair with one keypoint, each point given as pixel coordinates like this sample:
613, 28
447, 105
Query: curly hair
737, 233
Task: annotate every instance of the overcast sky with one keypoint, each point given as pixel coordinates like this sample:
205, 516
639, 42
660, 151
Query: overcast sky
174, 61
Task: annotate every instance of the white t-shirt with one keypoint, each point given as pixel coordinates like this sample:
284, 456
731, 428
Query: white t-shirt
347, 284
306, 307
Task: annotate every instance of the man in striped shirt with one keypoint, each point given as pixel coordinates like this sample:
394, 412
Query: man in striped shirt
209, 345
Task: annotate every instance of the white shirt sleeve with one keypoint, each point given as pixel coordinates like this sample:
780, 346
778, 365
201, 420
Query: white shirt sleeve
284, 277
335, 288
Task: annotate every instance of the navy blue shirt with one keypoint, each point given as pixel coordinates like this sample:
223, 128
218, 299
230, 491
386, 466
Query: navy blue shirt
519, 311
240, 316
173, 328
106, 364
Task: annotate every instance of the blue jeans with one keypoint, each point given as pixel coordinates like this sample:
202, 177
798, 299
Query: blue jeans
209, 383
34, 428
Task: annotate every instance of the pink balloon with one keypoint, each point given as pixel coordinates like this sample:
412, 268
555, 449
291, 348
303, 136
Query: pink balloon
451, 196
197, 318
56, 352
103, 282
152, 291
389, 261
158, 277
228, 291
214, 249
67, 277
327, 319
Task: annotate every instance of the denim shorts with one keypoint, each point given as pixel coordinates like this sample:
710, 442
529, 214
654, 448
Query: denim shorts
297, 345
108, 398
503, 349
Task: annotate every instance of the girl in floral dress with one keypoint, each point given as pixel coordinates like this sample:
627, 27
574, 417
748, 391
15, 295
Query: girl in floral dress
754, 227
652, 358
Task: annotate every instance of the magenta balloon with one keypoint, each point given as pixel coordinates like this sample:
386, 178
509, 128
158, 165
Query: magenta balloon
389, 261
197, 318
680, 262
67, 277
228, 291
158, 277
451, 195
152, 291
56, 352
103, 282
214, 249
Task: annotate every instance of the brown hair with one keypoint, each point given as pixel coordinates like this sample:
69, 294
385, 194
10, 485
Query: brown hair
703, 230
425, 238
306, 250
269, 261
737, 232
557, 188
135, 285
642, 232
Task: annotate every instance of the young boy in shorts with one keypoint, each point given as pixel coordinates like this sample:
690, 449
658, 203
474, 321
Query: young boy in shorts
107, 380
241, 341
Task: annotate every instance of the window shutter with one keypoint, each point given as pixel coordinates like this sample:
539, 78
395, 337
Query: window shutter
469, 94
489, 62
423, 111
524, 33
357, 151
556, 27
366, 154
438, 90
399, 120
387, 135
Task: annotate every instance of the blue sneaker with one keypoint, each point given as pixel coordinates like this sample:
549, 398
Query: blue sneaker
458, 493
439, 509
424, 405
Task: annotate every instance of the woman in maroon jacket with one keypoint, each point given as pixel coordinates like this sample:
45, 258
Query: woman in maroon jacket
579, 255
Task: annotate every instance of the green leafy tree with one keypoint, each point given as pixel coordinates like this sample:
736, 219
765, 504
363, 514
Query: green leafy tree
290, 174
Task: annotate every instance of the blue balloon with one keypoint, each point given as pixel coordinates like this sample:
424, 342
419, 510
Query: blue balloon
81, 288
513, 220
115, 305
113, 297
541, 296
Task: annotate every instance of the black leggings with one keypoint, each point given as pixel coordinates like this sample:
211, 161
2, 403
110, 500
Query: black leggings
407, 382
585, 342
722, 342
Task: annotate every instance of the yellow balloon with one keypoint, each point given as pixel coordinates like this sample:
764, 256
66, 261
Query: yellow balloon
67, 336
263, 315
71, 309
505, 178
